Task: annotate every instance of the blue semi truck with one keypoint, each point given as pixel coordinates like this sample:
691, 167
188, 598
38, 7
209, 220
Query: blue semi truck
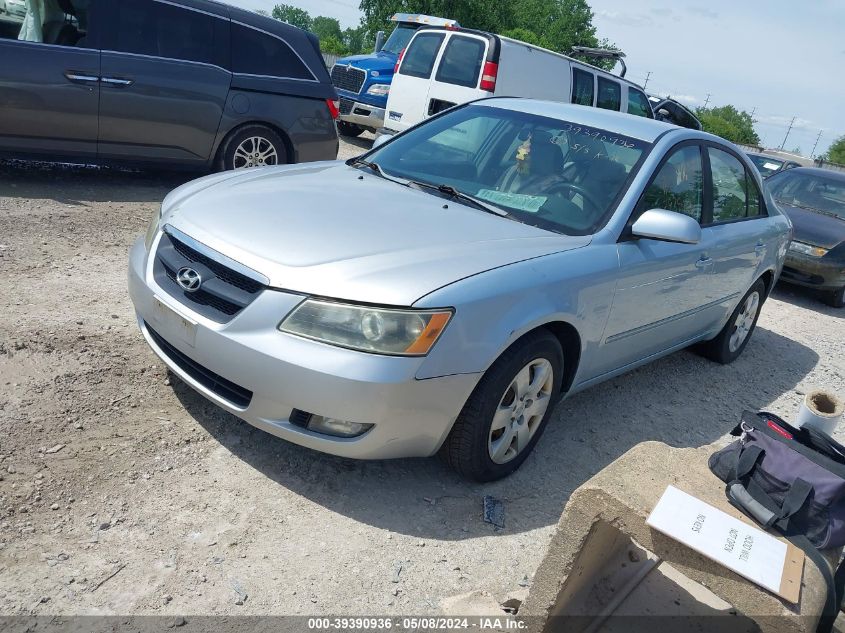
363, 81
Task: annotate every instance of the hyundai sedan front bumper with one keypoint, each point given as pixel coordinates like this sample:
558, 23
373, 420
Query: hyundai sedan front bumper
271, 379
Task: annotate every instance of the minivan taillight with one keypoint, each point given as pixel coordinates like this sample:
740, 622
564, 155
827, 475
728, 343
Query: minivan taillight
334, 107
399, 61
488, 76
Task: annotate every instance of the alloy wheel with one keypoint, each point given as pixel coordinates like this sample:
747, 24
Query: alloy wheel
744, 321
255, 151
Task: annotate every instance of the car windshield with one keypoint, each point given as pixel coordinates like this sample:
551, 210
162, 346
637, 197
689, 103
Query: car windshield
399, 39
766, 165
557, 175
811, 191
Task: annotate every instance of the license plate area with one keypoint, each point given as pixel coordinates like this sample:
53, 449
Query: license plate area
172, 325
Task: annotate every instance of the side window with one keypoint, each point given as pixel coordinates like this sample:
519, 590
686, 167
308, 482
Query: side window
257, 53
638, 104
677, 186
610, 95
461, 62
418, 60
582, 87
163, 30
730, 197
58, 23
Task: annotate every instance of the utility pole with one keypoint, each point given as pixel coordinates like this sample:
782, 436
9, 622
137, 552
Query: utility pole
706, 101
816, 144
647, 77
753, 110
791, 123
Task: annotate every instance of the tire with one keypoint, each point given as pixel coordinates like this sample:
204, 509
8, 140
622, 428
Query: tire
472, 443
836, 298
349, 129
236, 152
730, 342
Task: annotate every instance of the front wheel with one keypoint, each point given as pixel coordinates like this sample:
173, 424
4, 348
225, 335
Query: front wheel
733, 338
253, 146
505, 415
836, 298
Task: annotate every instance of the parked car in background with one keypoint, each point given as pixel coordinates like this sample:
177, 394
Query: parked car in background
443, 290
768, 165
188, 83
12, 10
672, 111
814, 199
444, 67
363, 81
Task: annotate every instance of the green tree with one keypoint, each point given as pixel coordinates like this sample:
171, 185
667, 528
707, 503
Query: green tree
836, 152
332, 45
730, 123
523, 35
324, 27
356, 40
292, 15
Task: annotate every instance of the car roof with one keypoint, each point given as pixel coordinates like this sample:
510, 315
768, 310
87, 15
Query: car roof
817, 171
626, 124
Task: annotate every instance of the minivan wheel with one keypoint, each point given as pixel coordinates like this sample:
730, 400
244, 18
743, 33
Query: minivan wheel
349, 129
836, 298
504, 417
253, 146
733, 338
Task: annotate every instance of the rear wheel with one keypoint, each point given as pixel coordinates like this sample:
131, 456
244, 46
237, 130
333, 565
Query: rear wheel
349, 129
733, 338
253, 146
836, 298
506, 414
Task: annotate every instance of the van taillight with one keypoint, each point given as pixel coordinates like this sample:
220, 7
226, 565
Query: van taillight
334, 107
488, 76
398, 61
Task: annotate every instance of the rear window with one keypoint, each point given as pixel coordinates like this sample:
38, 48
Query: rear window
610, 95
582, 87
418, 60
163, 30
461, 62
638, 104
257, 53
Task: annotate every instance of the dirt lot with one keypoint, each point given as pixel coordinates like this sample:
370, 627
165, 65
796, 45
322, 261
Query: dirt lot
123, 493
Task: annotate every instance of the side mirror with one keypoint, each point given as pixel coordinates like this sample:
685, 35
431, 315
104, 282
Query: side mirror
669, 226
379, 42
381, 139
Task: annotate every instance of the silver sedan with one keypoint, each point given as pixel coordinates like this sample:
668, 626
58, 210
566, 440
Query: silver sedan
444, 290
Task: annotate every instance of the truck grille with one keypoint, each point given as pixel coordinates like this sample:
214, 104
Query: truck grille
348, 78
346, 105
224, 292
226, 389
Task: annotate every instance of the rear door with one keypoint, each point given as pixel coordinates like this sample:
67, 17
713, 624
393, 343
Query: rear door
407, 104
49, 85
165, 78
609, 94
458, 75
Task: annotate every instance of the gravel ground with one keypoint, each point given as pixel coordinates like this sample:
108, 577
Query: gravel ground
123, 493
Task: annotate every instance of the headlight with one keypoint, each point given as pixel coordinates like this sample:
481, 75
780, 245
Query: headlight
377, 330
152, 229
378, 90
807, 249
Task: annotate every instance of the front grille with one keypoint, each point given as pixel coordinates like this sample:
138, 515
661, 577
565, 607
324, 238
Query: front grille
346, 105
348, 78
226, 389
224, 292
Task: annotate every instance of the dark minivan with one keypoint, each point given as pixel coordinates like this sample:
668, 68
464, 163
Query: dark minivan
190, 83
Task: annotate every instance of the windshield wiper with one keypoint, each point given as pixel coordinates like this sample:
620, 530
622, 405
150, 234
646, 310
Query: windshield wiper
352, 162
449, 190
794, 203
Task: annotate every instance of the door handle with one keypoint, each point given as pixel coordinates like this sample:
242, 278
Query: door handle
704, 263
84, 78
760, 248
117, 81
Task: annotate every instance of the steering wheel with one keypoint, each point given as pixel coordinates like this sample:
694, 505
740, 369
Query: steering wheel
577, 189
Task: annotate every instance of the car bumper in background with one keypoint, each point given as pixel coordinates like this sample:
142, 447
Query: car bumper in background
813, 272
252, 370
363, 114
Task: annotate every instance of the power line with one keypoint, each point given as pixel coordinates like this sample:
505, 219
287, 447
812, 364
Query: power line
707, 100
813, 153
791, 123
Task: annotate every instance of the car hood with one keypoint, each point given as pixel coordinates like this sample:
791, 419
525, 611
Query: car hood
331, 230
815, 228
381, 61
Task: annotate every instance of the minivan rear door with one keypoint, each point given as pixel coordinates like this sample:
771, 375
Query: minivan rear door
164, 81
408, 100
458, 75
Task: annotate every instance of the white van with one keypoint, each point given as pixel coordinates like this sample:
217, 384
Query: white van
442, 67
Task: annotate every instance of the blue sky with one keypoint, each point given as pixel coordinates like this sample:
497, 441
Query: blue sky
779, 58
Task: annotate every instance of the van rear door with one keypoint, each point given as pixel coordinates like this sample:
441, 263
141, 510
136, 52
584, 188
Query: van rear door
408, 100
459, 69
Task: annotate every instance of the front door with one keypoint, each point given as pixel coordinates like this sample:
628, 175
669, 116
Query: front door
407, 104
49, 84
165, 81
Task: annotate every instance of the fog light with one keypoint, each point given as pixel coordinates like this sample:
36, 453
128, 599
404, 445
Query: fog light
338, 428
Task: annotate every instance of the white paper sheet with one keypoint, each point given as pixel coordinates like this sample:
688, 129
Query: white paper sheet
747, 550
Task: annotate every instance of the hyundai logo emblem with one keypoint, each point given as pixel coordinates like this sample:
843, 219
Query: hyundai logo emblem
189, 279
